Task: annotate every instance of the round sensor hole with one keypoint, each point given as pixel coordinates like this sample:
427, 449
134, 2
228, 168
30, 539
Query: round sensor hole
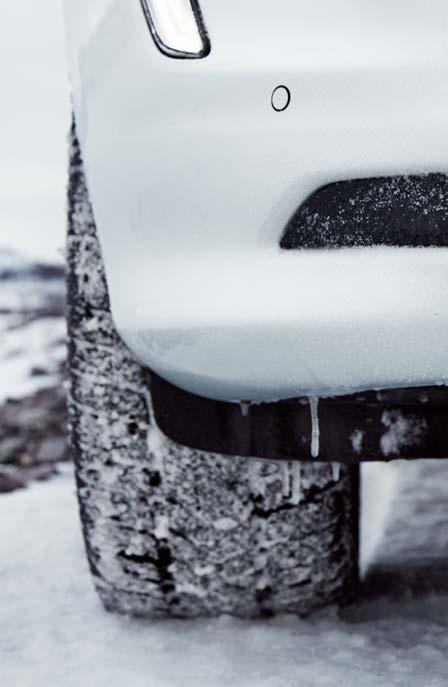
281, 98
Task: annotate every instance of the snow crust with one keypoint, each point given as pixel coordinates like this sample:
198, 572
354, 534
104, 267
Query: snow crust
316, 323
39, 345
55, 632
32, 330
401, 432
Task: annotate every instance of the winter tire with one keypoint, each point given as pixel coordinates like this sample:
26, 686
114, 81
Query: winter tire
170, 531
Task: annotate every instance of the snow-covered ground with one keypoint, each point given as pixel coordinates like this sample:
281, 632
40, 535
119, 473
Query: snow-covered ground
54, 632
32, 328
30, 359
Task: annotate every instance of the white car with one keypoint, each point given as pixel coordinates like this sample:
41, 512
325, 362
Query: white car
268, 185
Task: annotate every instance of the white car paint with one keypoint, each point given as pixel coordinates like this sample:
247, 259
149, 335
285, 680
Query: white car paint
193, 176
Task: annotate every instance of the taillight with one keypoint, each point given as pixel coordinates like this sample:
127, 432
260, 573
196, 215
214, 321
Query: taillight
177, 27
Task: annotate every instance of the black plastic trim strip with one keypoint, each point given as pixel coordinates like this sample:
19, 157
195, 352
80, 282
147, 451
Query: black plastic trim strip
403, 211
352, 428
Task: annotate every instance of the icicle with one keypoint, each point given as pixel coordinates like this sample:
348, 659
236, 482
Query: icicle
336, 468
296, 495
291, 481
314, 409
286, 479
245, 408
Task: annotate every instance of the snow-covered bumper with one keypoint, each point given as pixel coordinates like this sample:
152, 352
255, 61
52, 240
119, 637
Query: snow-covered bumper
194, 175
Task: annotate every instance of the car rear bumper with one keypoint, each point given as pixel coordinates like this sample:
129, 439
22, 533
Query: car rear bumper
276, 325
194, 176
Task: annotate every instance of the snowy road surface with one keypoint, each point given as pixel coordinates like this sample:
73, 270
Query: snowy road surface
54, 632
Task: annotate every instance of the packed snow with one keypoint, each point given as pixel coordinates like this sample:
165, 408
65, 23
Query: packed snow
400, 432
324, 323
54, 630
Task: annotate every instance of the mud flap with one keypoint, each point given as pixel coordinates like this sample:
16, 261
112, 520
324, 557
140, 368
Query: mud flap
375, 425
